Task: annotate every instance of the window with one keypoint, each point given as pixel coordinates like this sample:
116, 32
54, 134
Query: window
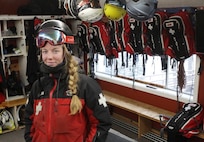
154, 73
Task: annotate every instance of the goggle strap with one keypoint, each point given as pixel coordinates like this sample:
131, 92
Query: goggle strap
69, 39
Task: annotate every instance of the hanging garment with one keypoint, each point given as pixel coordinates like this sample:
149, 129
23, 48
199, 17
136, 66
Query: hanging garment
156, 36
181, 35
99, 38
135, 44
83, 33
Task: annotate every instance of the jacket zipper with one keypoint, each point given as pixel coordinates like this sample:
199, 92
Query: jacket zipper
50, 110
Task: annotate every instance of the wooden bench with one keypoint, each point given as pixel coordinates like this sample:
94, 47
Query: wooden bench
146, 113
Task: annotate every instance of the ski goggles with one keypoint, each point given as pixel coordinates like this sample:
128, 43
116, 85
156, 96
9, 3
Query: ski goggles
53, 37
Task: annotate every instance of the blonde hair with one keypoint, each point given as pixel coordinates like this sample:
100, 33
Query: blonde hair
72, 68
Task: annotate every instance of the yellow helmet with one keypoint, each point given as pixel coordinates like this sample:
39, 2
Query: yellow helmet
114, 11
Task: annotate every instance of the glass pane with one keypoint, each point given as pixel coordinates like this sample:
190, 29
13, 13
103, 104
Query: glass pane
160, 71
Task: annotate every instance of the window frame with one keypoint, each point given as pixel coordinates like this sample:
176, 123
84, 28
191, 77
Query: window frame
162, 92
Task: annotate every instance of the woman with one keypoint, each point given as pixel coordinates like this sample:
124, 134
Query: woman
64, 105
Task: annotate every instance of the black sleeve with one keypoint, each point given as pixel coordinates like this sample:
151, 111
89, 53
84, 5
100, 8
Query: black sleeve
96, 102
29, 114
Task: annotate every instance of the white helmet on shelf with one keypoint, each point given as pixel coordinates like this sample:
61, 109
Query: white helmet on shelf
6, 120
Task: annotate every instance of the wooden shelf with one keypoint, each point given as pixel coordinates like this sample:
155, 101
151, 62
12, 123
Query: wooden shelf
12, 103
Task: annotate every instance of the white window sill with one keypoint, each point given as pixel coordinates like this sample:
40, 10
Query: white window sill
148, 88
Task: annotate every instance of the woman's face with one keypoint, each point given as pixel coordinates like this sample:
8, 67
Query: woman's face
52, 55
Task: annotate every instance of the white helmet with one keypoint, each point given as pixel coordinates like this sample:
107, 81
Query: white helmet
6, 120
85, 10
141, 10
91, 15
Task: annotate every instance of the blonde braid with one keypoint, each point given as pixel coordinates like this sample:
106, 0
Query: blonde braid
72, 68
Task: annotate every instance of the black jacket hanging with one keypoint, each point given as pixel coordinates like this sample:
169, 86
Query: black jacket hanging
32, 59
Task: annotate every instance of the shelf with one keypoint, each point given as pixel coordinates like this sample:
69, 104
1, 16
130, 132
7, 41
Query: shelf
7, 131
1, 107
31, 17
12, 55
12, 36
15, 102
11, 98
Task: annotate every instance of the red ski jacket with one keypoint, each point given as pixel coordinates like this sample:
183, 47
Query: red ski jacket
48, 119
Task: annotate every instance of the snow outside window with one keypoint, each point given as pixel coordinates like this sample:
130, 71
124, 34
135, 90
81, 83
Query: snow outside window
153, 74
